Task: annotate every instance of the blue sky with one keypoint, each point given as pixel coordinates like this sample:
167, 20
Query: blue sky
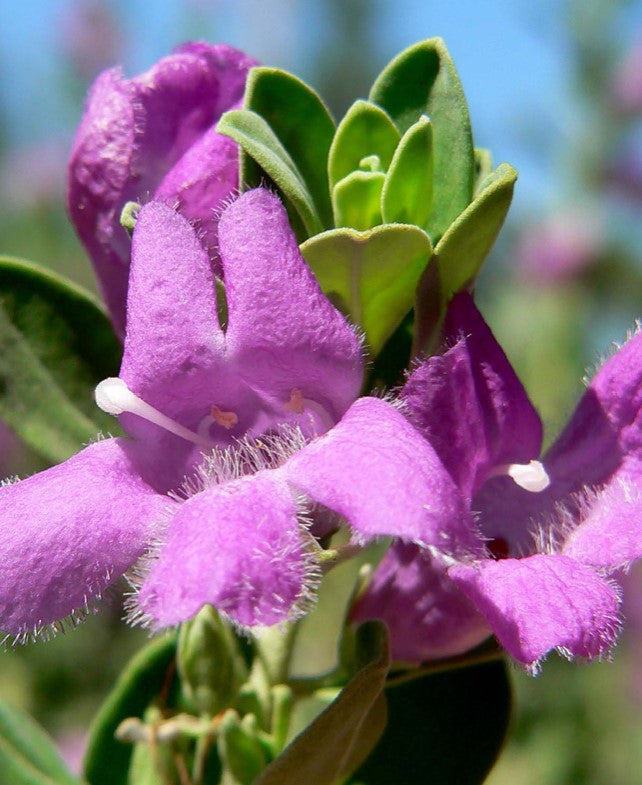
511, 55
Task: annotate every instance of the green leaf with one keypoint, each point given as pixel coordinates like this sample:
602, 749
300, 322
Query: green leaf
465, 246
371, 275
27, 755
366, 130
423, 80
239, 750
407, 192
56, 344
259, 141
483, 167
144, 679
445, 728
301, 122
341, 737
356, 200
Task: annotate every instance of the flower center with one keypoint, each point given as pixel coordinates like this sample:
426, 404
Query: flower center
530, 476
316, 414
114, 397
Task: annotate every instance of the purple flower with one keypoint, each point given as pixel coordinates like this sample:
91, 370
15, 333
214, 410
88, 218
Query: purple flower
560, 247
154, 135
247, 439
548, 534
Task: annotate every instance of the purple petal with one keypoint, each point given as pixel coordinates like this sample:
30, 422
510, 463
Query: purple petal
69, 531
379, 473
133, 132
470, 404
609, 534
606, 426
541, 603
174, 348
229, 65
174, 342
237, 546
428, 617
203, 178
101, 160
282, 330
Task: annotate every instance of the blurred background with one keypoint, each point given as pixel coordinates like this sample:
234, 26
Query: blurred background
554, 88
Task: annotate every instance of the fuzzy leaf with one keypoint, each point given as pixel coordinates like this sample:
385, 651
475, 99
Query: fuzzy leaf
341, 737
259, 141
27, 755
356, 200
56, 344
483, 167
423, 80
462, 251
366, 130
107, 760
407, 192
371, 276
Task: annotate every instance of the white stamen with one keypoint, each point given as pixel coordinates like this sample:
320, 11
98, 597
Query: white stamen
530, 476
114, 397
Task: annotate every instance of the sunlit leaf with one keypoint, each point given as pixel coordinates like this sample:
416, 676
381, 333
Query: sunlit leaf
423, 80
366, 130
371, 275
407, 192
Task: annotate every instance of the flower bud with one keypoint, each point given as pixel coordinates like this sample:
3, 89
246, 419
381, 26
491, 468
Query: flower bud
209, 662
240, 749
154, 136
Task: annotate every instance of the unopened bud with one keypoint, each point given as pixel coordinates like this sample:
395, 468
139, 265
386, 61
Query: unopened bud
210, 663
240, 749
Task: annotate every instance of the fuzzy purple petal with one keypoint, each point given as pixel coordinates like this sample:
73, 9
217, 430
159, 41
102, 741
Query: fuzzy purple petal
99, 171
174, 344
237, 546
543, 602
427, 615
609, 534
282, 330
470, 404
606, 428
174, 348
133, 132
69, 531
199, 183
379, 473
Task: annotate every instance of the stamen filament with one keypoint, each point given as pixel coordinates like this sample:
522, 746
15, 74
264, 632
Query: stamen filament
530, 476
114, 397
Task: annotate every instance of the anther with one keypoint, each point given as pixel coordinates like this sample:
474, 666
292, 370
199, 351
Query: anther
530, 476
226, 419
114, 397
295, 404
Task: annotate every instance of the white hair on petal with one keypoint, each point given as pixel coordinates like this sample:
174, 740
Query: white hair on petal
614, 348
46, 631
246, 457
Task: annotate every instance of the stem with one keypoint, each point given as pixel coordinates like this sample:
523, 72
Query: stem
181, 768
274, 647
203, 745
476, 657
332, 557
